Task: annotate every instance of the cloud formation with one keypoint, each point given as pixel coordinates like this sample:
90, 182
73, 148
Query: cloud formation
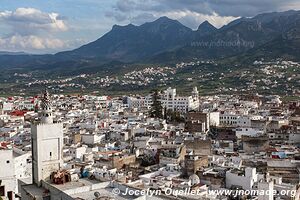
25, 21
30, 42
31, 29
193, 12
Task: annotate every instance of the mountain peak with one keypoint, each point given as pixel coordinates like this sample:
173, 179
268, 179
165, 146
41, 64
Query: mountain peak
164, 19
206, 26
116, 27
164, 24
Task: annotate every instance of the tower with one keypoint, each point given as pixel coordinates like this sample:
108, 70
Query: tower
195, 93
47, 143
46, 105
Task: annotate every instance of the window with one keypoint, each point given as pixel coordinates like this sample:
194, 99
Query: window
7, 161
50, 153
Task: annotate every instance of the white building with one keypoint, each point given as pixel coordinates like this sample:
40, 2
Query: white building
183, 104
134, 102
171, 101
245, 179
268, 187
7, 107
247, 132
8, 184
237, 120
77, 152
14, 165
214, 118
91, 138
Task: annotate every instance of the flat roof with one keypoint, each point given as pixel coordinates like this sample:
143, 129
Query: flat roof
104, 192
34, 190
74, 184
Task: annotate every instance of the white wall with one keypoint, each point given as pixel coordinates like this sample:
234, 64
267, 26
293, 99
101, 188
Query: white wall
246, 132
246, 181
7, 171
214, 118
266, 186
91, 138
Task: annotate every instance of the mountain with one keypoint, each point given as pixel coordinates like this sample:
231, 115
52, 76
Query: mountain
265, 34
131, 43
167, 40
205, 28
270, 35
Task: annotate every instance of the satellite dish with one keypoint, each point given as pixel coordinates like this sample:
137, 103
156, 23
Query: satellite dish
97, 194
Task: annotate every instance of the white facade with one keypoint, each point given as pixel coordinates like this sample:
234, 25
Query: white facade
247, 132
77, 152
103, 101
13, 166
27, 105
7, 107
268, 187
7, 172
246, 181
236, 120
214, 118
91, 138
171, 101
134, 102
23, 165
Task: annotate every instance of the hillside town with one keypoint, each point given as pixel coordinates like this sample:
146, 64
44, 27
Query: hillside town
162, 145
272, 77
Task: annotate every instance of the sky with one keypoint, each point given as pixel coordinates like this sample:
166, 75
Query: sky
49, 26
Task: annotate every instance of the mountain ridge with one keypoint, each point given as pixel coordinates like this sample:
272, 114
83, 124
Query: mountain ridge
166, 40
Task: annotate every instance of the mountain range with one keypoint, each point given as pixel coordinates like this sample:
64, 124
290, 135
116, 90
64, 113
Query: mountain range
268, 36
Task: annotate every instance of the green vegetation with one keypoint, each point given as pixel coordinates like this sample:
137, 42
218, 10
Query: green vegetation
156, 108
173, 116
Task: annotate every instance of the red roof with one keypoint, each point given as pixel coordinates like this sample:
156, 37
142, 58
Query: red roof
4, 144
18, 112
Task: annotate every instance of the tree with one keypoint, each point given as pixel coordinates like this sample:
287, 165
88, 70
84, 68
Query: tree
156, 107
174, 116
165, 113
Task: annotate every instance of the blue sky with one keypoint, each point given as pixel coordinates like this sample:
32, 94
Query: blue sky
49, 26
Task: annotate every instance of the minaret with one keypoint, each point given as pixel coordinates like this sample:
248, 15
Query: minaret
195, 93
47, 143
46, 115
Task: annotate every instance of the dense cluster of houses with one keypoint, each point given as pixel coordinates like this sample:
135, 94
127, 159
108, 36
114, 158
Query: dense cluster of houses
101, 147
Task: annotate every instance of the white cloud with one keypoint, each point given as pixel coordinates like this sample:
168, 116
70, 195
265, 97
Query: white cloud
26, 21
191, 13
194, 19
31, 30
30, 43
